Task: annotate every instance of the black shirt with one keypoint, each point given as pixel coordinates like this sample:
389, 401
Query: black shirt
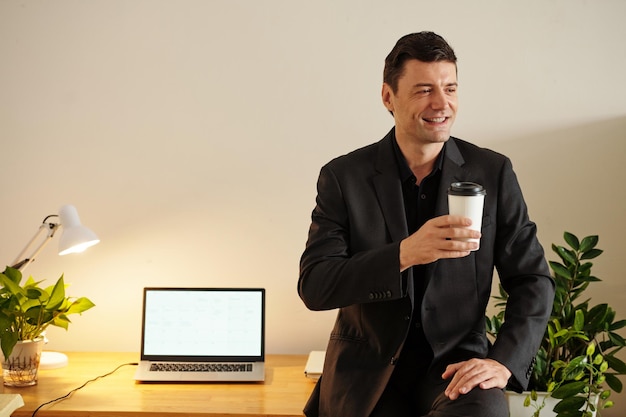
419, 206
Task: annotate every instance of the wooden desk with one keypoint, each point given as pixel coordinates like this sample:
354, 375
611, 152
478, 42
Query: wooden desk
284, 392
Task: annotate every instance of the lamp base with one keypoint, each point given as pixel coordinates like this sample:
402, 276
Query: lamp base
52, 360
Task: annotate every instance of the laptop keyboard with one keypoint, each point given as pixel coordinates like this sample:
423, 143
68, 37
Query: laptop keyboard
200, 367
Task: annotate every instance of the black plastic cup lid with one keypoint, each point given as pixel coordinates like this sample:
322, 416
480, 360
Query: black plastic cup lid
466, 188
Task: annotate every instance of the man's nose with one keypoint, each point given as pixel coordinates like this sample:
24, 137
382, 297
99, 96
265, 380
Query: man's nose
439, 100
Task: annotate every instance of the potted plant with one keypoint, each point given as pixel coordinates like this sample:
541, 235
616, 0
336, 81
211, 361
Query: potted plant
576, 363
26, 311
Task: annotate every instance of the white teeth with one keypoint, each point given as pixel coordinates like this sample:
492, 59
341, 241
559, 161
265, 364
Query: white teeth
437, 120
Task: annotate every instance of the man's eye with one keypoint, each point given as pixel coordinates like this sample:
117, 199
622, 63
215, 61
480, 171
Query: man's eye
425, 91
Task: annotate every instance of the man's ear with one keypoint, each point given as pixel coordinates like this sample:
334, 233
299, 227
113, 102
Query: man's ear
387, 96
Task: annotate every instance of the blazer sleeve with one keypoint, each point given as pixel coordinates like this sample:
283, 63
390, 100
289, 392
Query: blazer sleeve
524, 274
349, 258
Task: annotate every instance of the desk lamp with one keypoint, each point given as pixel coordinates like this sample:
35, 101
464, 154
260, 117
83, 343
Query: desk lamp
74, 239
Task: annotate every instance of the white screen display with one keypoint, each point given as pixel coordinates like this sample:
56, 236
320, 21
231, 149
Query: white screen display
203, 322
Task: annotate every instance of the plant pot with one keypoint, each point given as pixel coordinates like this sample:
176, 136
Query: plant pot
21, 367
517, 409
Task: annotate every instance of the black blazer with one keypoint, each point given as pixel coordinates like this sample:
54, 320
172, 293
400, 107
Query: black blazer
351, 263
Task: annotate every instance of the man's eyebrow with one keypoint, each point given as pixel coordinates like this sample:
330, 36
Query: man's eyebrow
452, 84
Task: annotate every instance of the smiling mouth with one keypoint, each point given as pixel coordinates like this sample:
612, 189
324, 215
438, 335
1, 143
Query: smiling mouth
435, 119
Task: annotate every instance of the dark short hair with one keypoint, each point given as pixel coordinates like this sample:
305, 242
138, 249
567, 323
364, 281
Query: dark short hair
423, 46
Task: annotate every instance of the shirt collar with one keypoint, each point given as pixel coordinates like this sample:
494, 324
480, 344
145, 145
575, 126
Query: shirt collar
403, 168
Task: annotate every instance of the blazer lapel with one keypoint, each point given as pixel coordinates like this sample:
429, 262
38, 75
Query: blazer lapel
452, 171
389, 189
389, 193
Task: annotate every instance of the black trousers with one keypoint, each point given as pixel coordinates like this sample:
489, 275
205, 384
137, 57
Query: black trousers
416, 389
430, 401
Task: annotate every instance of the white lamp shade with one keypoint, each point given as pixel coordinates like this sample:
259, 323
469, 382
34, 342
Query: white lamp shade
75, 237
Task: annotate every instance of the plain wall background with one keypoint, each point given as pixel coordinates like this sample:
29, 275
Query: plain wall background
189, 135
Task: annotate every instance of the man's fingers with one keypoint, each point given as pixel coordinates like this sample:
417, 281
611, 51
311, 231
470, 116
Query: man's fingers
450, 220
482, 373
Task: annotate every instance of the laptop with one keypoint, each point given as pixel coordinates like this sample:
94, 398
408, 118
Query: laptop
202, 334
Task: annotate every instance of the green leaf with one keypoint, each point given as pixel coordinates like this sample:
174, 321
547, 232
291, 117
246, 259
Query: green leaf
13, 274
618, 325
57, 297
561, 333
573, 413
80, 305
597, 316
571, 240
585, 268
61, 321
527, 401
569, 390
588, 243
593, 253
8, 341
613, 382
503, 294
5, 322
560, 270
10, 285
34, 293
616, 364
570, 403
604, 367
591, 278
37, 315
579, 320
570, 257
616, 339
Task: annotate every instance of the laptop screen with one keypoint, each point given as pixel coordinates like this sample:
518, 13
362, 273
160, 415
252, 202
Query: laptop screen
203, 324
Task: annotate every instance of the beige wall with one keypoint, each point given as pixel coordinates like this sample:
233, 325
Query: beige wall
189, 135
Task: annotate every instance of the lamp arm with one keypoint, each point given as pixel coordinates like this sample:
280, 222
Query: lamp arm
51, 227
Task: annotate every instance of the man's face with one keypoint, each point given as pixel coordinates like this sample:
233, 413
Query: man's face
425, 102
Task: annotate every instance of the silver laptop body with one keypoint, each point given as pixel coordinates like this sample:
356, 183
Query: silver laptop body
202, 334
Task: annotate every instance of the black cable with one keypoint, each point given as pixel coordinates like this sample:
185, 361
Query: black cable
69, 394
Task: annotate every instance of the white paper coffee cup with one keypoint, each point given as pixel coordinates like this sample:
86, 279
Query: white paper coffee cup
467, 199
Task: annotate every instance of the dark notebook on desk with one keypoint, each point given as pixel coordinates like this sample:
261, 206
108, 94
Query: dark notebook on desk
202, 334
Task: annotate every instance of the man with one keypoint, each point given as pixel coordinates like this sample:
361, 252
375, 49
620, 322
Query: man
409, 339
